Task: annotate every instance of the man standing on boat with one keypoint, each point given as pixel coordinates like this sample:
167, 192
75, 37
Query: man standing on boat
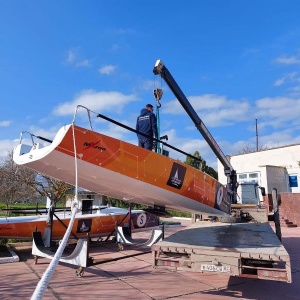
146, 124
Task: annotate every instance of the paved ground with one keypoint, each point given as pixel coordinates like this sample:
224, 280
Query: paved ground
135, 278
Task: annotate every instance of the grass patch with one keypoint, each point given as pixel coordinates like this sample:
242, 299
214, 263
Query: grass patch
164, 222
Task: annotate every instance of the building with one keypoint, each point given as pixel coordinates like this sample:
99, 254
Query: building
271, 168
88, 199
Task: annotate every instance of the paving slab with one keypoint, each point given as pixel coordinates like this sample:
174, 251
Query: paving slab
134, 277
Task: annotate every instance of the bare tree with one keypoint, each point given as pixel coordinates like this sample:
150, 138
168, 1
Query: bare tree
247, 148
54, 189
12, 187
18, 182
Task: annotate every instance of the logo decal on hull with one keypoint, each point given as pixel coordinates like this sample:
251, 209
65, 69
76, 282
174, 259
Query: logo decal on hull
141, 220
221, 202
220, 195
93, 145
84, 225
176, 176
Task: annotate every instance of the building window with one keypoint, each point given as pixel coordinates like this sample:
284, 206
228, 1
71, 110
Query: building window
249, 177
253, 175
293, 180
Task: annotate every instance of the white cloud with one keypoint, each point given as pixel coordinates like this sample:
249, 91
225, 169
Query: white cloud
215, 110
290, 77
7, 146
146, 85
270, 140
295, 90
117, 132
202, 102
73, 58
96, 101
279, 81
48, 133
5, 123
278, 110
186, 144
288, 60
228, 115
272, 113
279, 138
107, 70
114, 48
83, 63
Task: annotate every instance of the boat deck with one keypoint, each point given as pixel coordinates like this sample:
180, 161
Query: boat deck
135, 278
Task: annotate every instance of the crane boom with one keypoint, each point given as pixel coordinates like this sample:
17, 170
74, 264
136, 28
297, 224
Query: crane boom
162, 70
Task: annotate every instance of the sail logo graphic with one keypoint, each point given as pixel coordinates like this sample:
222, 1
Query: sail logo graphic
176, 176
84, 225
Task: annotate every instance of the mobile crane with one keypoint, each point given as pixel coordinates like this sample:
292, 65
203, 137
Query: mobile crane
247, 247
161, 69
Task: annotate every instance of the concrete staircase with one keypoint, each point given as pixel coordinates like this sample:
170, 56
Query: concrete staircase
289, 210
284, 222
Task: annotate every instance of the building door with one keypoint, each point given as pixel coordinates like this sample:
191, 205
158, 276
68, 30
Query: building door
248, 188
87, 206
293, 183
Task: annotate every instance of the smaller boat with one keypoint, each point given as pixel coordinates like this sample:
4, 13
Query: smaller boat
101, 222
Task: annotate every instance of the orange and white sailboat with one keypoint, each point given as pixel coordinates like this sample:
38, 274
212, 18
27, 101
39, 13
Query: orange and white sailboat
112, 167
101, 222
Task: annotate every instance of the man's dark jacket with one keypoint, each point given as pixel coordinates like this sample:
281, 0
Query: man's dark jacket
146, 123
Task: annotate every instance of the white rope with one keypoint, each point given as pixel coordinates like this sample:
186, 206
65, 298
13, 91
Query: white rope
76, 168
44, 281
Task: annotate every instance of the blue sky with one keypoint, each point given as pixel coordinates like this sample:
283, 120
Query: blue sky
236, 61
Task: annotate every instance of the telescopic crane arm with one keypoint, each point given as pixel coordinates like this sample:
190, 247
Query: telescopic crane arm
161, 69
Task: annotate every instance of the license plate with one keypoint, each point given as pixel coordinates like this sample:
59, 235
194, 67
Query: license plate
214, 268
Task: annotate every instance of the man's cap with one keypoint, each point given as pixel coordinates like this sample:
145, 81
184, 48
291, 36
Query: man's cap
149, 105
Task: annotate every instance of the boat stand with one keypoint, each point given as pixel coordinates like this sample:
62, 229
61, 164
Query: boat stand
123, 236
79, 257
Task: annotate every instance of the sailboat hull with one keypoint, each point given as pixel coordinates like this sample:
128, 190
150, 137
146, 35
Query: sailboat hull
92, 224
124, 171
